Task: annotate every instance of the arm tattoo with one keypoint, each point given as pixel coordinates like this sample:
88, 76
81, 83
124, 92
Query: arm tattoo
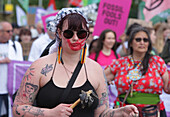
46, 69
29, 89
28, 76
30, 110
109, 113
103, 100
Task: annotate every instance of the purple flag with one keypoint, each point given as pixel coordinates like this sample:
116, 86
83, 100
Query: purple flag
16, 71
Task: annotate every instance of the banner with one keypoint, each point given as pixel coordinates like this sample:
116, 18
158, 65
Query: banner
88, 2
24, 4
155, 10
39, 13
112, 14
21, 16
16, 71
77, 3
51, 5
44, 18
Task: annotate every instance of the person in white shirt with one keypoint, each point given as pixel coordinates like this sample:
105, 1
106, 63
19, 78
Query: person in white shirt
40, 44
9, 50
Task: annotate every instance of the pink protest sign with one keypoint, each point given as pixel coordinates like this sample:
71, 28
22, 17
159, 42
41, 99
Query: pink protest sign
154, 7
112, 14
44, 18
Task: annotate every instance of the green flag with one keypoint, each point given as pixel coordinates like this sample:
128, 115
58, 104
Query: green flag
24, 4
87, 2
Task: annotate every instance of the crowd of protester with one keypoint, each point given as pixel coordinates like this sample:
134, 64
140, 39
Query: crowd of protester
28, 43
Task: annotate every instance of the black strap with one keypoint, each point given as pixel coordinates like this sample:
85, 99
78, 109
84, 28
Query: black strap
14, 46
71, 82
46, 50
97, 54
116, 54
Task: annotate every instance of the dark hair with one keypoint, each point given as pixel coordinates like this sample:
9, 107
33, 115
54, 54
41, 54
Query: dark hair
91, 46
131, 27
147, 55
74, 22
34, 86
100, 42
24, 31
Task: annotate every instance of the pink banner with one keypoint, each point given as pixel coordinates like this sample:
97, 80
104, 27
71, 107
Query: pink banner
112, 14
44, 18
154, 7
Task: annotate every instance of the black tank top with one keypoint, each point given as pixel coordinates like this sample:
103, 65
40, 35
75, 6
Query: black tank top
50, 94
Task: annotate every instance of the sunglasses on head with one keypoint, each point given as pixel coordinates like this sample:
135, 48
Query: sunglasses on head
140, 39
81, 34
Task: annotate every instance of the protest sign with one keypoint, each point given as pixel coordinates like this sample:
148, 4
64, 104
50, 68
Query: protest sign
39, 13
21, 16
44, 18
112, 14
154, 10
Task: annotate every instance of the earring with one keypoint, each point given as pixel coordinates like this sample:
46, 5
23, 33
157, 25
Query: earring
59, 53
83, 54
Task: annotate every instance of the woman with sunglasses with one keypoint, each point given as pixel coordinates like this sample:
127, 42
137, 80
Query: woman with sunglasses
52, 75
140, 77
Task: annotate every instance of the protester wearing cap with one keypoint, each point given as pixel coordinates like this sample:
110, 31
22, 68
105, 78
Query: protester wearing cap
40, 43
49, 76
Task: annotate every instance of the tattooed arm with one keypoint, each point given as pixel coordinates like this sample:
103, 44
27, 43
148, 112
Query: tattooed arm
103, 109
23, 104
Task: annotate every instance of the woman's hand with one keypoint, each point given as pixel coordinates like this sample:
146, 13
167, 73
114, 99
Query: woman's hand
166, 81
127, 111
168, 63
62, 110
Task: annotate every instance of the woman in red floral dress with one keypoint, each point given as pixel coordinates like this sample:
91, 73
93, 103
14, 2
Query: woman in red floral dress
140, 77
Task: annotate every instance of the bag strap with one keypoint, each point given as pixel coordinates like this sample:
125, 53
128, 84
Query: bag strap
46, 50
71, 82
96, 56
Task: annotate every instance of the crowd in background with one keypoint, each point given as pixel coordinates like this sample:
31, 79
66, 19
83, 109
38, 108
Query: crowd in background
32, 40
159, 35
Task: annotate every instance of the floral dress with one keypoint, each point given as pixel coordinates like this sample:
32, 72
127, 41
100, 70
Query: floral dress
151, 82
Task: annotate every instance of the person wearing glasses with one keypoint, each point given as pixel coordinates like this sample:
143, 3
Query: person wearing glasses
140, 77
52, 74
9, 50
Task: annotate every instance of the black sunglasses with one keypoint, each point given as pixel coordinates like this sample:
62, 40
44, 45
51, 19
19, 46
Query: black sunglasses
81, 34
140, 39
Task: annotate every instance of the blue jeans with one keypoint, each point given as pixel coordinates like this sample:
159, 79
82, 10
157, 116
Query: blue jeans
4, 97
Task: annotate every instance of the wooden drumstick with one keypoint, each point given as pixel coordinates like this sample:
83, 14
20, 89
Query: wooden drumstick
78, 101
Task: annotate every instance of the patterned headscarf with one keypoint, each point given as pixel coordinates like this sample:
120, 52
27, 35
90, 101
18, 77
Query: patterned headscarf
52, 25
